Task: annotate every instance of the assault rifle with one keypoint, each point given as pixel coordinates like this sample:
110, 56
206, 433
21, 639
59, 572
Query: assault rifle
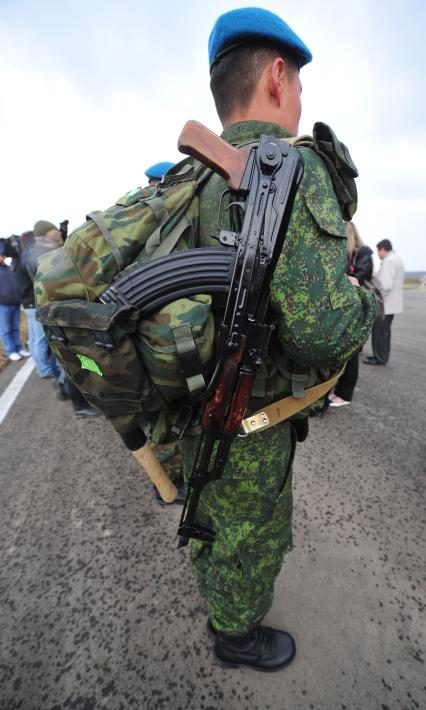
267, 177
264, 180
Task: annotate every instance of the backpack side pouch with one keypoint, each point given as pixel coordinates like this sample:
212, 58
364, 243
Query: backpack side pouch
177, 346
94, 344
340, 166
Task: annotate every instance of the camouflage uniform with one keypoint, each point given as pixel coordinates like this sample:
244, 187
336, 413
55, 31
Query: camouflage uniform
323, 319
250, 507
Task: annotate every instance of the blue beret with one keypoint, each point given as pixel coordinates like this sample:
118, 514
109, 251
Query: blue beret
158, 170
238, 27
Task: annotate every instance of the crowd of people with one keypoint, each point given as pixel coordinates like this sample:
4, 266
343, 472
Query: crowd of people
16, 292
388, 283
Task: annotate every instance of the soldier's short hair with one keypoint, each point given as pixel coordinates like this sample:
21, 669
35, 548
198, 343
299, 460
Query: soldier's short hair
384, 244
235, 76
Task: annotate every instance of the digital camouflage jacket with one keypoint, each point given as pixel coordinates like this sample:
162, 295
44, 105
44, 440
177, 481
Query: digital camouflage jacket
322, 318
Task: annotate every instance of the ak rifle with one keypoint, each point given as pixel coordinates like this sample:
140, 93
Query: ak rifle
265, 180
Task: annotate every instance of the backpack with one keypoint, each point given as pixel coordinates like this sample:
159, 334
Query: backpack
146, 370
129, 368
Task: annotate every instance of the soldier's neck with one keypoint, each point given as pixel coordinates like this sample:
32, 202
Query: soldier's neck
257, 112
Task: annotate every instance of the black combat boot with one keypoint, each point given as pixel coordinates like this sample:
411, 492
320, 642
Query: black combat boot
262, 648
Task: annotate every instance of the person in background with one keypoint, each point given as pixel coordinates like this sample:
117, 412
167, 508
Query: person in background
391, 279
43, 239
65, 389
26, 241
360, 265
156, 172
10, 300
79, 403
63, 228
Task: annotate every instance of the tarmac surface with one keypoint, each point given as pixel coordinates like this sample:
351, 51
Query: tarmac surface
99, 610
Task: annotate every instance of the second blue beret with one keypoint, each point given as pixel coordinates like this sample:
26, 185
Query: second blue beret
158, 170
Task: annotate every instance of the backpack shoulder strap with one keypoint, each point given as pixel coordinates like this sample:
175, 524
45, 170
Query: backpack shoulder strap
156, 246
304, 141
96, 218
158, 207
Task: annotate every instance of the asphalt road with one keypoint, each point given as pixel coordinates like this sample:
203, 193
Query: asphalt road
99, 610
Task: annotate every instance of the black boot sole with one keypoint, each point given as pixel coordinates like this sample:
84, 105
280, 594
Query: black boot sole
225, 664
256, 667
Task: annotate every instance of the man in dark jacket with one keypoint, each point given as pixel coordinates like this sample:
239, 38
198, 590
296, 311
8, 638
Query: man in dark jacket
46, 238
10, 299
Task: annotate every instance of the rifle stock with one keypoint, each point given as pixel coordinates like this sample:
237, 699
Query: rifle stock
203, 144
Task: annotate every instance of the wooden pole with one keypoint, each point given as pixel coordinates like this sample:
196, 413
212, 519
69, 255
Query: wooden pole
147, 459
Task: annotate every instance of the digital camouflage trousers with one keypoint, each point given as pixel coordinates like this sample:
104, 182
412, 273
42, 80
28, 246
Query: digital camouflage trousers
250, 509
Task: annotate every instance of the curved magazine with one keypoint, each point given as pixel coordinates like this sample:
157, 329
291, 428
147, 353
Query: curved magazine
156, 283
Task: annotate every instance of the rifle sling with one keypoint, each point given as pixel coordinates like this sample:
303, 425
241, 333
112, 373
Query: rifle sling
285, 408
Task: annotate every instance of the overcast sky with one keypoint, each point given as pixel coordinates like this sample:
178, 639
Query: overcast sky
94, 91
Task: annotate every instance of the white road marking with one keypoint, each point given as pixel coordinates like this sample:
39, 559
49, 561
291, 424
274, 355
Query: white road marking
10, 394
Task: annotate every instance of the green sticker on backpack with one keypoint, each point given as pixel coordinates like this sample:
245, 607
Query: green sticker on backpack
88, 364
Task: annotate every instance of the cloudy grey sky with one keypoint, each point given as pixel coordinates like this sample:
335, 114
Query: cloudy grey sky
94, 91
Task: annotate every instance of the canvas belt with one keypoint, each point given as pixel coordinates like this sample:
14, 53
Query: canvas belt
285, 408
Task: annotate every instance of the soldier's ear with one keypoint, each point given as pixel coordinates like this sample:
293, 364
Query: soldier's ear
276, 78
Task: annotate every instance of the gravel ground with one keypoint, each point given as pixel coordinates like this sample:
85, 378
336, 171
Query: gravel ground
99, 610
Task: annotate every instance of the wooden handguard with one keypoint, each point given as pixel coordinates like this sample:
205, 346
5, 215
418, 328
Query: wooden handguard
146, 457
203, 144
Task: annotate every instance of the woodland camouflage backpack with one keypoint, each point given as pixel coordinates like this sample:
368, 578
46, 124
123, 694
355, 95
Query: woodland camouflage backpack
127, 367
144, 372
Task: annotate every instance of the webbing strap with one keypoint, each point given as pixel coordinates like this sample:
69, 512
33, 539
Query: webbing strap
286, 408
104, 340
189, 358
259, 386
298, 382
305, 141
157, 205
94, 216
156, 248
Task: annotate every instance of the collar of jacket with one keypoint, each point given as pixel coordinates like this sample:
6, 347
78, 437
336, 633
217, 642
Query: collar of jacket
247, 131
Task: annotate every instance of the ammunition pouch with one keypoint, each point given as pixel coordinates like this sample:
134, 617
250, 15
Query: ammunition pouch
340, 166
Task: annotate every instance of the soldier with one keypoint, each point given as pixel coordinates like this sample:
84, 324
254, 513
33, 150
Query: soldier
155, 172
255, 59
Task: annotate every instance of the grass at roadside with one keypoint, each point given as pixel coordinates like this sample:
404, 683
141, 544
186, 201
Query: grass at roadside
413, 282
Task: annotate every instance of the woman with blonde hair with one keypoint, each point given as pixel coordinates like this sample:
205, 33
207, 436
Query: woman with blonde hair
360, 265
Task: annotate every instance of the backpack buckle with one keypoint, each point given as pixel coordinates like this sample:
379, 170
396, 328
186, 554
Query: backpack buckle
104, 340
57, 335
183, 421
